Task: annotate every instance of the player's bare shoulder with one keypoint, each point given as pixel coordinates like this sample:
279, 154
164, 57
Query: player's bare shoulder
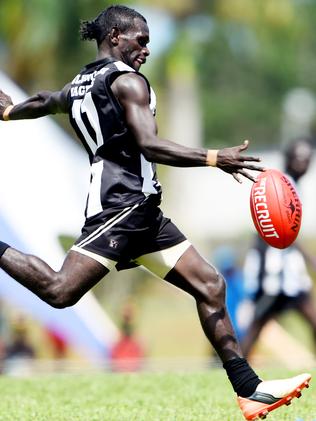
131, 87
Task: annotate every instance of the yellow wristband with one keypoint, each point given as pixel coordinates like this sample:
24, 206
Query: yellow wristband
6, 112
211, 157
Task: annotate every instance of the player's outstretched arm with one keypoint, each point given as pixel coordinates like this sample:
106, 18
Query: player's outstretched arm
131, 91
39, 105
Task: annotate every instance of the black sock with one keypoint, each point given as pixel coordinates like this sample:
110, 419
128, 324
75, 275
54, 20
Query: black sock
3, 247
242, 377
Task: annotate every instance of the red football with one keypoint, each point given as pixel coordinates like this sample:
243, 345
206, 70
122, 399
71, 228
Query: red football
276, 209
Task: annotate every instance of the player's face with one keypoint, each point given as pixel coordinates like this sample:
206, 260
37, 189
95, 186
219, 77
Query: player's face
133, 44
300, 160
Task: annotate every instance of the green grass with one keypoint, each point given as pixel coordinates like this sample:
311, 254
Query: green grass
203, 396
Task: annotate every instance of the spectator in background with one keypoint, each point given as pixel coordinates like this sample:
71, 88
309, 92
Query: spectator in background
278, 279
127, 353
58, 342
19, 346
3, 329
19, 353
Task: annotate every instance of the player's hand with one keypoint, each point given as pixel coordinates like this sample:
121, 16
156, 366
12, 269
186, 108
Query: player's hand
233, 162
5, 101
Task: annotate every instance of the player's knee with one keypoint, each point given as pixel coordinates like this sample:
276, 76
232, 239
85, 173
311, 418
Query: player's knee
218, 287
214, 288
59, 296
61, 302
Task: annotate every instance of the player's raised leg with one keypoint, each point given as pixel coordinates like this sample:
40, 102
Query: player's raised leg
78, 274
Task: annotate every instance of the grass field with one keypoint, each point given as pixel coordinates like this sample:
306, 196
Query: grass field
203, 396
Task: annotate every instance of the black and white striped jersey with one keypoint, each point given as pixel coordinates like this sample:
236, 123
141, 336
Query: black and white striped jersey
271, 271
120, 174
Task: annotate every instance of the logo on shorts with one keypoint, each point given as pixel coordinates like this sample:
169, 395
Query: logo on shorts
113, 244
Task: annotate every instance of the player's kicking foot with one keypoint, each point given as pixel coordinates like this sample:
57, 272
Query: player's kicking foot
271, 394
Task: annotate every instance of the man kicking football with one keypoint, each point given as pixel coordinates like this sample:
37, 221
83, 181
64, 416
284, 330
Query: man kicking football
111, 107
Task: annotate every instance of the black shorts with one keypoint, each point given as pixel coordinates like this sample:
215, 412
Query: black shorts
120, 237
268, 306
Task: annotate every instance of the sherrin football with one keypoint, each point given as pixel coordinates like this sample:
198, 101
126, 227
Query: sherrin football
276, 209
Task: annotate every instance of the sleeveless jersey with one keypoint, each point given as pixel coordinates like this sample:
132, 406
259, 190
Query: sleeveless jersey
120, 174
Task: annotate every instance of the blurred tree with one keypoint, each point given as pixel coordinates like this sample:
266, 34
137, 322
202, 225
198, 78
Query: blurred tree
246, 55
40, 44
257, 52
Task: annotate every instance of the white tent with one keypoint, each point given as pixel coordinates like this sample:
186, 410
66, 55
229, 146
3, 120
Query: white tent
45, 177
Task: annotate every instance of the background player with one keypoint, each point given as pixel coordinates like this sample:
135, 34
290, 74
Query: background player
278, 279
111, 107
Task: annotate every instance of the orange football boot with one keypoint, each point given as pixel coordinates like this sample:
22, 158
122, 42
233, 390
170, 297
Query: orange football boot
272, 394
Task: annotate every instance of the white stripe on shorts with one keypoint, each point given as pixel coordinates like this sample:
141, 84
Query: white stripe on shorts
105, 227
162, 261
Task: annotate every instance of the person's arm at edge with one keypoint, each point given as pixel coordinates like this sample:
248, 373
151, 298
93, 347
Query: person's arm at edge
131, 91
39, 105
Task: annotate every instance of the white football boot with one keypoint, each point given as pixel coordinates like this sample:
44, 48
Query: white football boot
272, 394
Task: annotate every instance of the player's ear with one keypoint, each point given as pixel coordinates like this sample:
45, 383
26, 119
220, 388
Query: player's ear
115, 35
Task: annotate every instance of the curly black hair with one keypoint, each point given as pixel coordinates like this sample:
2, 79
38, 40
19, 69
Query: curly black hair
117, 16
